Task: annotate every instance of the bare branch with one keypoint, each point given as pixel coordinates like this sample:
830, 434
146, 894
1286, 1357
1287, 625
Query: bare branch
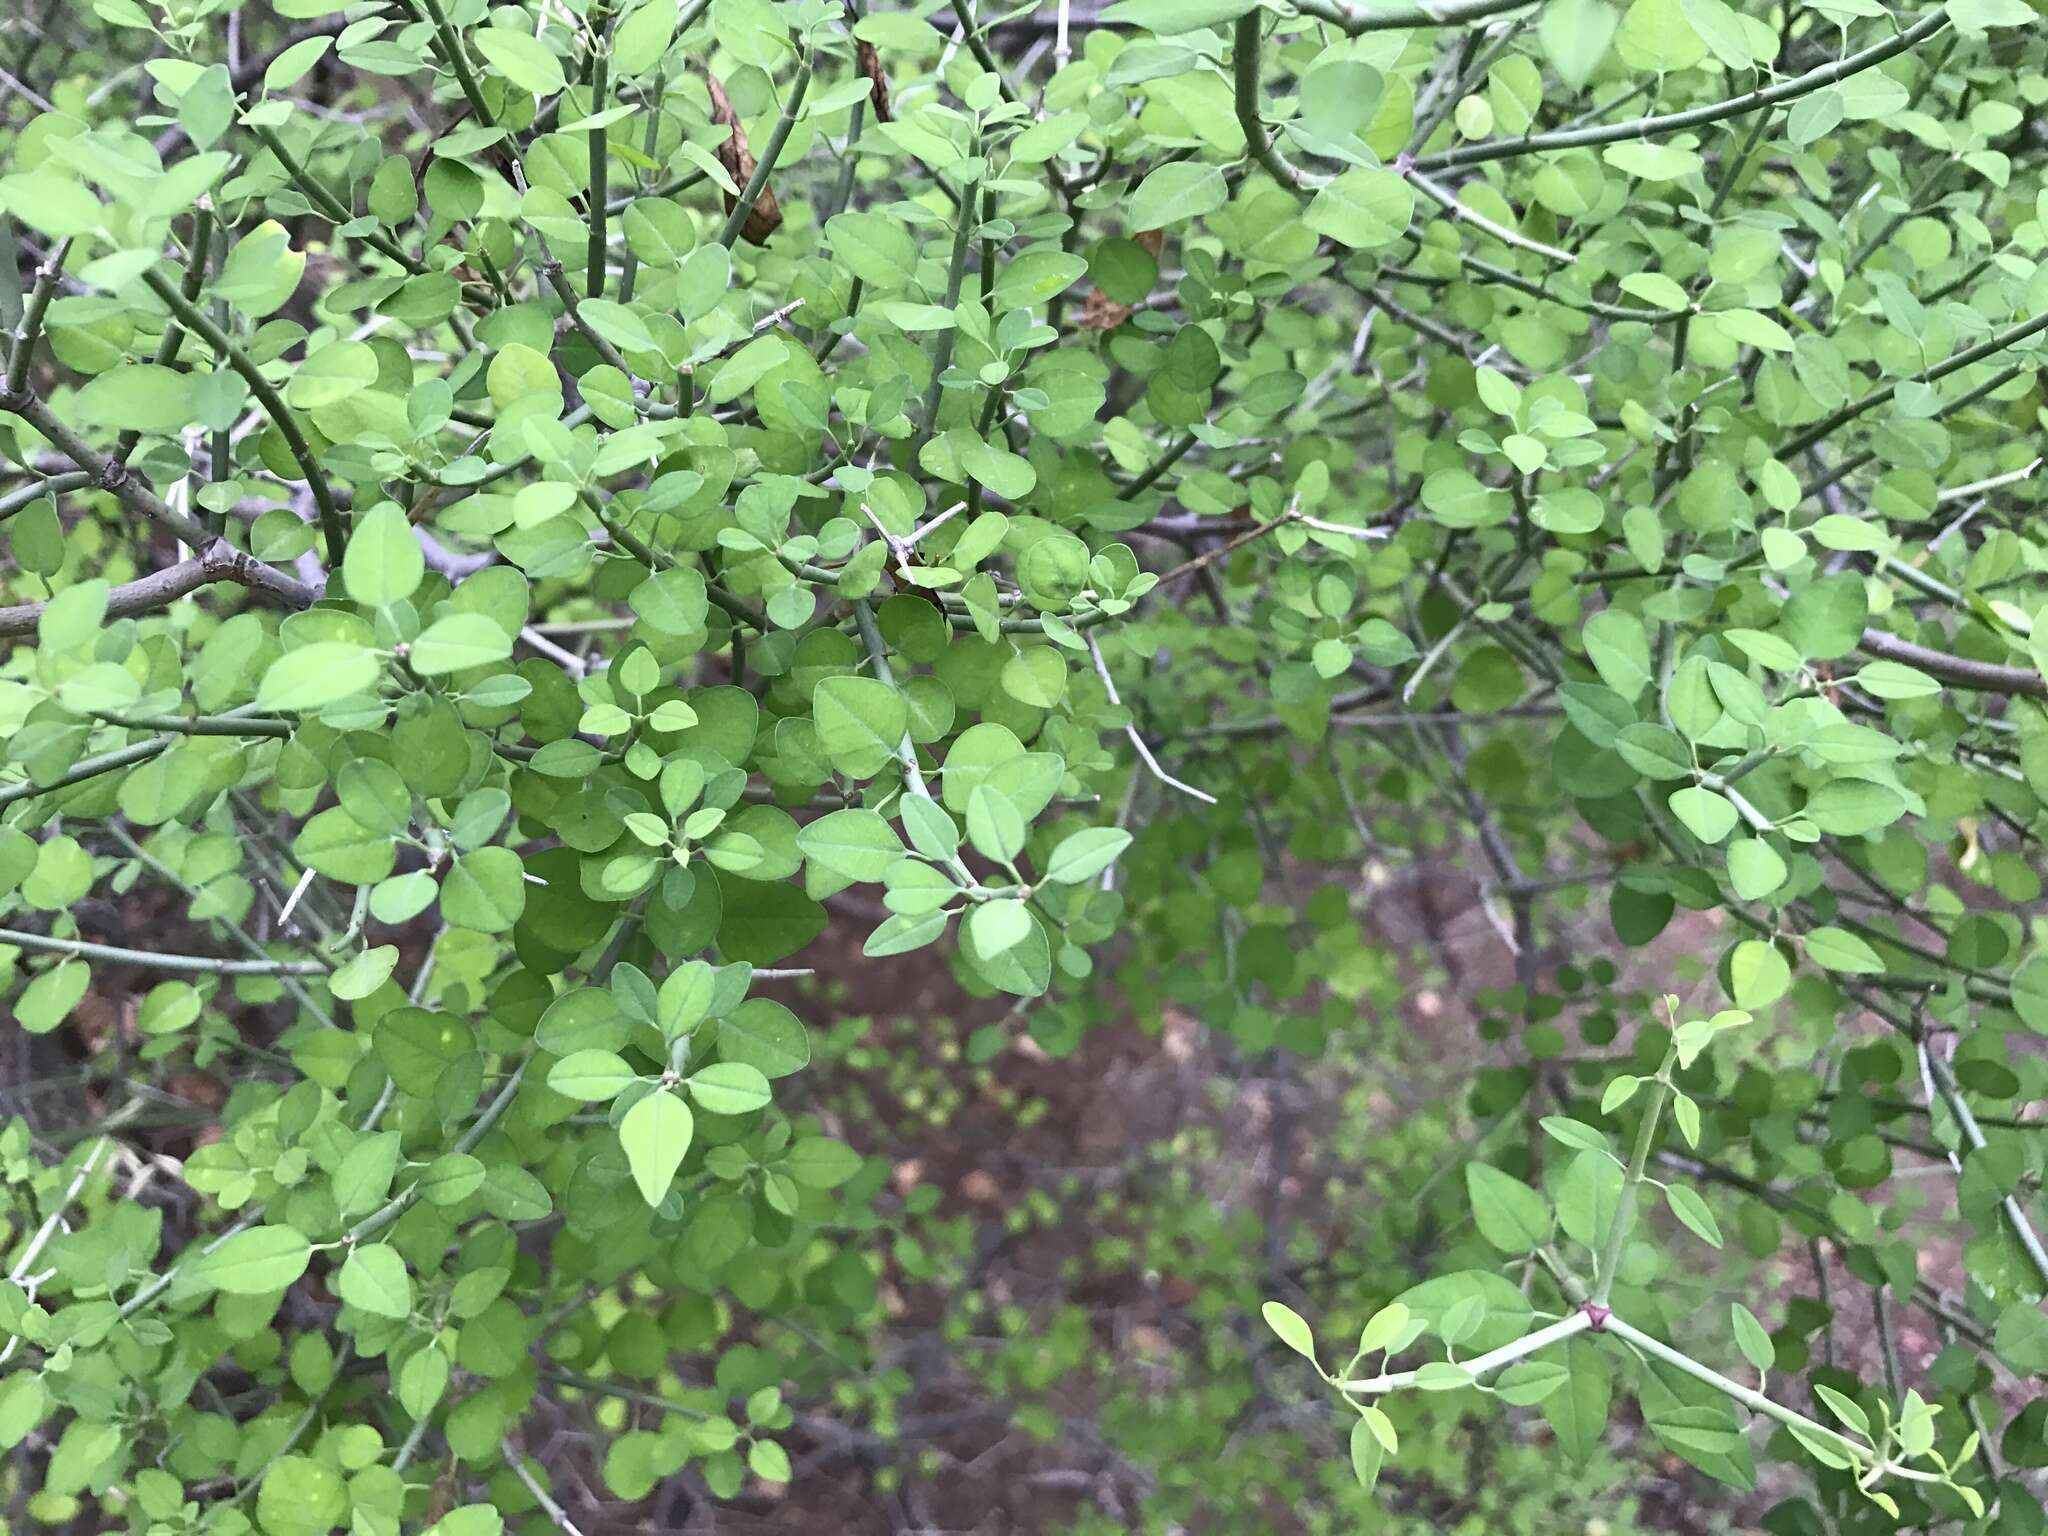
1961, 671
219, 561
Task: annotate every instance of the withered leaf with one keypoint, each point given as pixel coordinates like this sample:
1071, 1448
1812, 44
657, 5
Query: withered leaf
870, 64
1102, 313
765, 217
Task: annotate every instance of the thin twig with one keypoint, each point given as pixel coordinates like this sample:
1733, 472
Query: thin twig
158, 961
549, 1507
1446, 200
1137, 741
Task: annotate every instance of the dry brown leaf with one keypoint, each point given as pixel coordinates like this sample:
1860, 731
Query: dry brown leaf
870, 63
765, 217
1102, 313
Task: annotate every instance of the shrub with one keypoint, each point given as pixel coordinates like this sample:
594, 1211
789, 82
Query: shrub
526, 519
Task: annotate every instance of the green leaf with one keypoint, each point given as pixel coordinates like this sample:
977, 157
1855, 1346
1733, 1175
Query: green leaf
374, 1280
1574, 35
592, 1076
1709, 816
1175, 193
295, 63
47, 1001
2021, 1338
1510, 1215
2030, 991
994, 826
364, 974
729, 1088
1007, 474
520, 58
1655, 751
469, 1520
761, 1033
1085, 854
1364, 209
1367, 1455
655, 1135
451, 1178
458, 642
1755, 868
1574, 1134
313, 676
384, 562
24, 1402
639, 41
300, 1496
999, 926
1750, 1338
1577, 1411
484, 890
1759, 975
858, 844
331, 375
860, 723
143, 397
1973, 17
673, 602
257, 1262
1528, 1382
1291, 1329
1837, 949
519, 372
1383, 1329
817, 1162
1619, 650
1689, 1208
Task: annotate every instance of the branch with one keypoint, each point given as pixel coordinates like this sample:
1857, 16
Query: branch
1671, 122
173, 339
549, 1507
106, 473
1246, 52
1159, 466
551, 269
48, 1229
1202, 561
396, 1206
1137, 741
331, 207
32, 321
1481, 1365
942, 343
55, 485
1959, 671
1952, 1096
1632, 1181
201, 324
1445, 199
2011, 336
219, 561
449, 46
1450, 13
81, 949
600, 150
1751, 1399
87, 768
